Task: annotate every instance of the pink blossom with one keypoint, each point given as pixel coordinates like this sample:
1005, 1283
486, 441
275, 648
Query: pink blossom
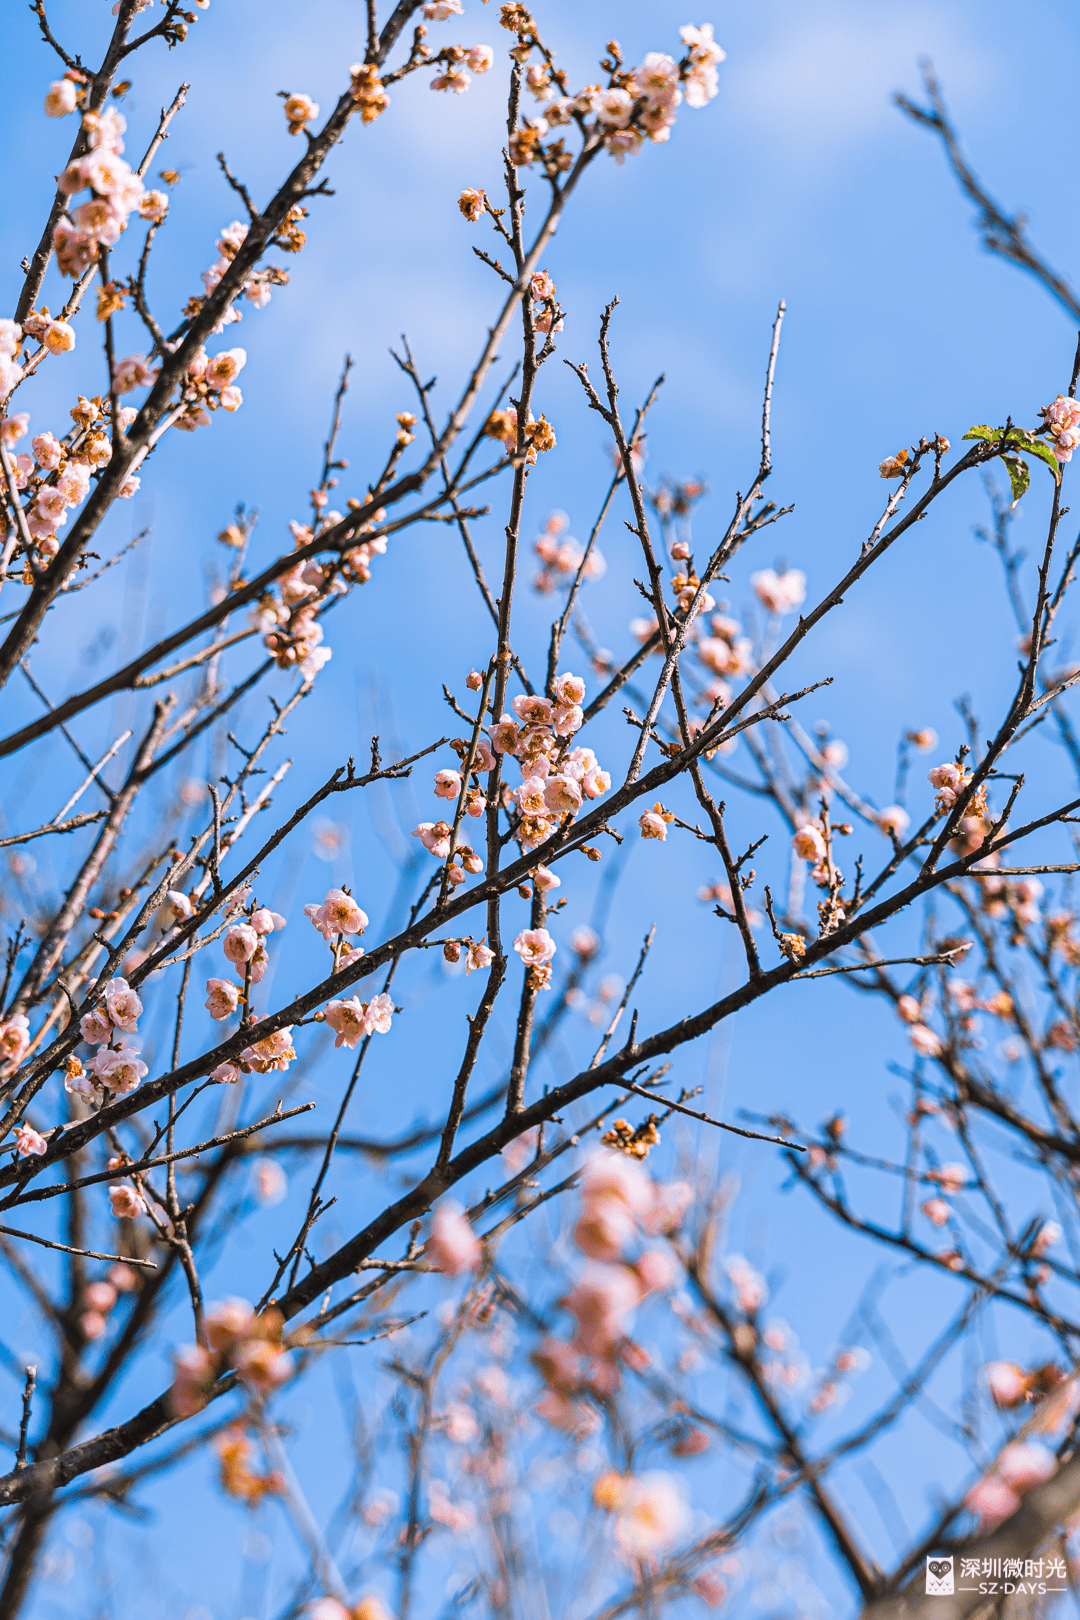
435, 837
909, 1010
265, 921
651, 1514
100, 1296
530, 796
992, 1501
93, 1325
222, 999
126, 1202
894, 819
28, 1141
338, 914
709, 1588
504, 737
809, 843
96, 1027
749, 1285
1026, 1463
517, 1154
610, 1177
480, 956
653, 825
154, 205
535, 946
175, 908
566, 720
613, 108
59, 337
691, 1443
61, 99
240, 943
226, 1074
1048, 1234
447, 784
562, 795
544, 879
272, 1051
443, 1511
926, 1041
558, 1364
601, 1300
480, 58
453, 1246
603, 1229
1007, 1384
780, 593
118, 1068
656, 1271
459, 1424
123, 1005
455, 79
227, 1322
132, 372
223, 369
193, 1379
950, 1177
936, 1210
377, 1014
532, 710
14, 1038
47, 451
569, 689
263, 1366
347, 1019
271, 1182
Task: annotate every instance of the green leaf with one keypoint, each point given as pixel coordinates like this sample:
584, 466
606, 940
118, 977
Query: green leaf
1035, 447
982, 433
1019, 475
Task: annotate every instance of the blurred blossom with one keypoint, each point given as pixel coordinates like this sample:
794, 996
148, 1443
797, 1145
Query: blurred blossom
329, 839
271, 1182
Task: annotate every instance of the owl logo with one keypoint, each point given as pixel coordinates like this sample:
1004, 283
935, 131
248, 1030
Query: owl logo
939, 1577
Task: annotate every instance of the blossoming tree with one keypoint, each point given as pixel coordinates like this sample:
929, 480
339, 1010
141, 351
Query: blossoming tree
132, 1164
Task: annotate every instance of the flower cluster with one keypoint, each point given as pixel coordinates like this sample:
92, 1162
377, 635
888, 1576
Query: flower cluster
556, 780
561, 558
100, 1297
649, 1512
244, 946
457, 60
14, 1042
116, 1068
354, 1020
780, 593
539, 436
115, 190
236, 1339
618, 1201
209, 385
257, 282
1062, 419
57, 475
453, 1246
636, 104
950, 780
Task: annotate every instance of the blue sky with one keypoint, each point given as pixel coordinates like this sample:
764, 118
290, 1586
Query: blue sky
802, 182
